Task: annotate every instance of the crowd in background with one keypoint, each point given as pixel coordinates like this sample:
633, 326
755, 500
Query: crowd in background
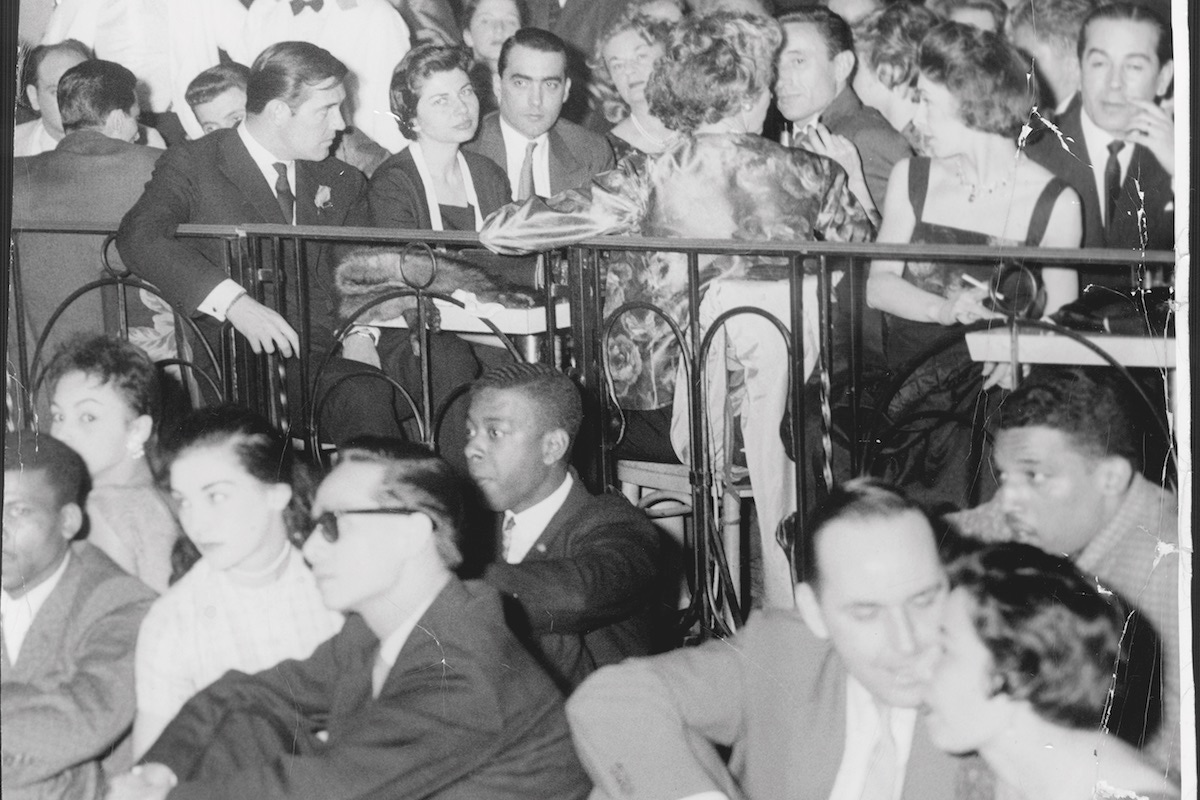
192, 610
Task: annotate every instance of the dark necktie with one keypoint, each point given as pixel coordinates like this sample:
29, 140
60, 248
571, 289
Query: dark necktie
283, 193
525, 181
1112, 181
298, 5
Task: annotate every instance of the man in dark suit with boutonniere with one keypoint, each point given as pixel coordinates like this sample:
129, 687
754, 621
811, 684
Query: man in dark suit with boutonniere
275, 167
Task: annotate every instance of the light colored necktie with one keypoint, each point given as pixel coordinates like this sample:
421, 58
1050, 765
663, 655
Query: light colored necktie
525, 183
881, 770
510, 523
379, 673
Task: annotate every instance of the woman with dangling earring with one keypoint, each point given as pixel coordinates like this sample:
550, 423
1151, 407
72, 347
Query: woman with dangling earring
104, 397
251, 600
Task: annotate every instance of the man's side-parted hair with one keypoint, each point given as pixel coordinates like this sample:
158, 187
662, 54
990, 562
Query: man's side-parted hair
33, 451
215, 81
1057, 21
288, 71
535, 39
408, 81
89, 92
860, 498
888, 41
984, 72
834, 30
126, 366
714, 64
34, 57
1132, 12
1055, 640
555, 394
416, 478
1085, 404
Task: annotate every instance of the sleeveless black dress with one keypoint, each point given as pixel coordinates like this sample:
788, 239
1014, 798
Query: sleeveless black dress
931, 449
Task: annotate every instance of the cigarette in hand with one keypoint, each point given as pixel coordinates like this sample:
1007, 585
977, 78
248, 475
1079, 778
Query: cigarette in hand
978, 284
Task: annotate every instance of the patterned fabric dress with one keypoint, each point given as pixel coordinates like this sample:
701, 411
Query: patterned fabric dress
713, 186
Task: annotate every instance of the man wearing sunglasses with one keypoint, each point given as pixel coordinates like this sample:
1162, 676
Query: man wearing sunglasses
424, 693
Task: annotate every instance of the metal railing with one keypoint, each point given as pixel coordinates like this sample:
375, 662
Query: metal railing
264, 259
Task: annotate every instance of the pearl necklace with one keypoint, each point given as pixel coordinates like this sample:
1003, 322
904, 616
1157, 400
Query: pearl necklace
661, 144
976, 188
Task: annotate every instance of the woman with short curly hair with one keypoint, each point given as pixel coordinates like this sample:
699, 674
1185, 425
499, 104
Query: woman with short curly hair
720, 179
1029, 650
625, 55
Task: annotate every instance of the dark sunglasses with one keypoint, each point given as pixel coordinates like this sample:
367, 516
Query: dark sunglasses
327, 523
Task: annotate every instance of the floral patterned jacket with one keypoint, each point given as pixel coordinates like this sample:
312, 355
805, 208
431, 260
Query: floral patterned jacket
712, 186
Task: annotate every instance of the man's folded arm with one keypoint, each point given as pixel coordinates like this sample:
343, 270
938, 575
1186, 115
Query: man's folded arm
610, 574
645, 728
59, 720
441, 727
147, 244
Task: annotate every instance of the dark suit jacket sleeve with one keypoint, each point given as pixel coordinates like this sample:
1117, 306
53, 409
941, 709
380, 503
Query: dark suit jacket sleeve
432, 726
607, 573
879, 150
643, 728
146, 239
60, 720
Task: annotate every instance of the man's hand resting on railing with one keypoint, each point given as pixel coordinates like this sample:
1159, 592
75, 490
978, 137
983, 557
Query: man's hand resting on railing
264, 328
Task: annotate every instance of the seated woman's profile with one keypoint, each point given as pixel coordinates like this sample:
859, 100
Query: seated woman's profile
1030, 650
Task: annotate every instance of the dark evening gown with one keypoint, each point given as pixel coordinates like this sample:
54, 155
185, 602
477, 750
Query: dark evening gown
932, 453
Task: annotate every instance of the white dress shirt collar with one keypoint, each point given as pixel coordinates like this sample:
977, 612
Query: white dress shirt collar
1097, 140
862, 730
531, 523
514, 154
266, 162
18, 612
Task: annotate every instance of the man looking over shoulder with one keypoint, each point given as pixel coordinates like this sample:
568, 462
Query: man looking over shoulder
424, 693
541, 153
273, 168
1069, 464
70, 621
580, 572
813, 91
822, 704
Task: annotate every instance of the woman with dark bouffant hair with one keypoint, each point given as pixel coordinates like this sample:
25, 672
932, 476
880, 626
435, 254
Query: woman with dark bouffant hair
975, 187
1030, 648
250, 601
719, 179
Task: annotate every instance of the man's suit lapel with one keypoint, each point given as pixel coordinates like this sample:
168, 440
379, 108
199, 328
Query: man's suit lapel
46, 633
1140, 192
564, 167
550, 544
242, 172
814, 758
490, 142
1078, 173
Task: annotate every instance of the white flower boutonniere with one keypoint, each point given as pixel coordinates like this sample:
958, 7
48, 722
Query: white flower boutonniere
324, 197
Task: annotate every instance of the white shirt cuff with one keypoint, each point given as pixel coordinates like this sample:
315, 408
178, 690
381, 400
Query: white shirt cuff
706, 796
218, 301
368, 331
